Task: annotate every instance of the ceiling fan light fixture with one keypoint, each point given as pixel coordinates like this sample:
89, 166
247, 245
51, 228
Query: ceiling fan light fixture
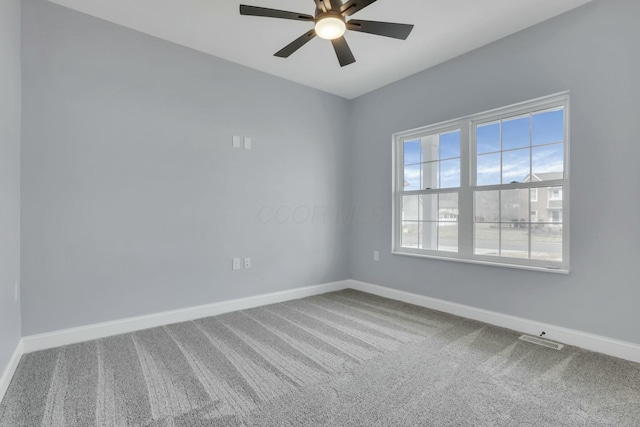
330, 28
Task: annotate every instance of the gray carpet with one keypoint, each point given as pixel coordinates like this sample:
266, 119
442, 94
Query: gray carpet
340, 359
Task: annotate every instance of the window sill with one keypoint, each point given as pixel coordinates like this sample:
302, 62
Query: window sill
555, 270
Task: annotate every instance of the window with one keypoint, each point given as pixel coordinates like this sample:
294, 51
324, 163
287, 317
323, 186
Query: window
555, 193
431, 173
489, 188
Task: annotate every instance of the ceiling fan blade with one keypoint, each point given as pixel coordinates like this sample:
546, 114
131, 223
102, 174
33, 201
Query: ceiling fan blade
320, 5
296, 44
335, 4
273, 13
353, 6
387, 29
345, 56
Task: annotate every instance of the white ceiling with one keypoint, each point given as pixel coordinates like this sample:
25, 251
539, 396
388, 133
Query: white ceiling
443, 30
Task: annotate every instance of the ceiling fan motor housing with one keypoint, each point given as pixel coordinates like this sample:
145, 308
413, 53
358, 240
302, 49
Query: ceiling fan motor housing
320, 14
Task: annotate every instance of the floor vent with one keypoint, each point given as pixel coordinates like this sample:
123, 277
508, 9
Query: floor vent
542, 342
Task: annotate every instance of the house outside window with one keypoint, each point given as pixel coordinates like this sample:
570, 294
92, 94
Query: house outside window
491, 188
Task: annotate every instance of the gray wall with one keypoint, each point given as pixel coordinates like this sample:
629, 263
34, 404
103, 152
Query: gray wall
134, 201
9, 177
591, 51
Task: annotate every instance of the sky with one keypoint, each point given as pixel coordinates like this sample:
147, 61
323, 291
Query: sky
530, 143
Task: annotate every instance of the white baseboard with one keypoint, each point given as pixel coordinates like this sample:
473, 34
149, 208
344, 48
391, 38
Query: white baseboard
597, 343
612, 347
116, 327
7, 375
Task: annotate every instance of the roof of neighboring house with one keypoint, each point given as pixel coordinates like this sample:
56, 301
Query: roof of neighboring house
546, 176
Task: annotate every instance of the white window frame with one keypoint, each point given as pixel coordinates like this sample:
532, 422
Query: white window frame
467, 186
534, 195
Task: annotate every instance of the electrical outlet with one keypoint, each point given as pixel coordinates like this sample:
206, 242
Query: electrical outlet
16, 291
236, 264
247, 143
236, 141
247, 263
376, 256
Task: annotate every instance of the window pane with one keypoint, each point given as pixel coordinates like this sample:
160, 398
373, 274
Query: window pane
430, 175
430, 147
514, 240
442, 174
410, 234
554, 204
488, 138
548, 162
450, 173
487, 206
546, 242
547, 127
487, 239
488, 172
515, 133
514, 206
448, 207
515, 165
548, 204
412, 177
412, 152
450, 145
448, 236
411, 208
429, 207
429, 235
439, 146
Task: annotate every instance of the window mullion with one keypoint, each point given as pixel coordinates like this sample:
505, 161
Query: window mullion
465, 198
398, 160
397, 221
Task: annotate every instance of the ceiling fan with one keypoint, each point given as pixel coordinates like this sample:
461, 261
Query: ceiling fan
330, 23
